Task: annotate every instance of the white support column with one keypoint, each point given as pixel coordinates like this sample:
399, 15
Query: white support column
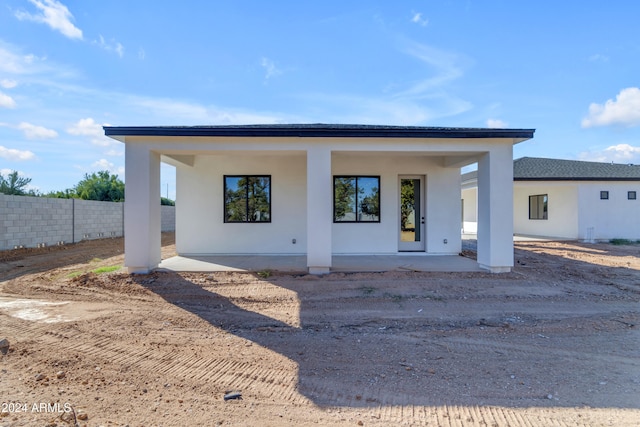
141, 209
495, 209
319, 210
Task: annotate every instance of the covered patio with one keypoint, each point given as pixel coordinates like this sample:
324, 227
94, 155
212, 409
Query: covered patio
318, 197
340, 263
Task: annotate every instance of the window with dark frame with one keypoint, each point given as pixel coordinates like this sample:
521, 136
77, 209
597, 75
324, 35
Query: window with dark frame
538, 206
247, 198
356, 199
604, 195
631, 195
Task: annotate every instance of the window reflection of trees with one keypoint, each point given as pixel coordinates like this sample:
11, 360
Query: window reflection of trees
356, 199
407, 204
247, 199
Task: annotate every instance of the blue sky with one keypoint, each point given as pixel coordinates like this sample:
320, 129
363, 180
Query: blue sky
569, 69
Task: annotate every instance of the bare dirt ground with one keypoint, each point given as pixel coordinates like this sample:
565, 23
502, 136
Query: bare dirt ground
554, 343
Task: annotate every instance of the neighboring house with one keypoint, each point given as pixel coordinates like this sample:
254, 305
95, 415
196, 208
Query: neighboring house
567, 199
317, 190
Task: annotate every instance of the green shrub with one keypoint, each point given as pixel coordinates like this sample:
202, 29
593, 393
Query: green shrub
623, 242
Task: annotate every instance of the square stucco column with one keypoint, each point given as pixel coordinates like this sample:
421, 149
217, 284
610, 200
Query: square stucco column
495, 210
319, 210
141, 209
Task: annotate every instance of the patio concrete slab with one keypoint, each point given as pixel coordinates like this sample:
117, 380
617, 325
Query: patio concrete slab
341, 263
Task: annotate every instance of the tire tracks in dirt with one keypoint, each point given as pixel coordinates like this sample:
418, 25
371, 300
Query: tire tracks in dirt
277, 384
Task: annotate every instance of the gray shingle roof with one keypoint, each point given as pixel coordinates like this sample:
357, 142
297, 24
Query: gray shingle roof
542, 169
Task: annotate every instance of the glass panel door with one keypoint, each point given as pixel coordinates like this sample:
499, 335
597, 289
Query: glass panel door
412, 219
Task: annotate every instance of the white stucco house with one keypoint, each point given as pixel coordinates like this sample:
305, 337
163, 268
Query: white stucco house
567, 199
317, 190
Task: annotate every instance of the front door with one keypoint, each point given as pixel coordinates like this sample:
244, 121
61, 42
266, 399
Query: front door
412, 222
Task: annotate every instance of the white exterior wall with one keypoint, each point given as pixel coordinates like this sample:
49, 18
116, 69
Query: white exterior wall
442, 197
199, 207
470, 211
562, 215
142, 209
495, 209
443, 211
617, 217
200, 226
575, 210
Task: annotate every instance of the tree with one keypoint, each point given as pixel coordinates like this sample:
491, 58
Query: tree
344, 198
167, 202
100, 186
69, 193
370, 204
407, 201
247, 199
14, 184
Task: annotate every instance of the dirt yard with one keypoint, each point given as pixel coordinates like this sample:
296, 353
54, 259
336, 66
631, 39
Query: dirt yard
554, 343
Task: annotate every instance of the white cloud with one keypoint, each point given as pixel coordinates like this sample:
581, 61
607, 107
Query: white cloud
36, 132
191, 113
8, 84
55, 15
103, 164
167, 107
418, 19
141, 54
496, 124
624, 110
113, 46
598, 58
6, 101
446, 66
13, 154
33, 71
620, 153
270, 68
12, 61
88, 127
114, 153
424, 101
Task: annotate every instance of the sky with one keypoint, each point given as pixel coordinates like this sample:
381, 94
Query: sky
569, 69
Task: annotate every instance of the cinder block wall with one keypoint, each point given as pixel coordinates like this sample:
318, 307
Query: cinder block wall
97, 220
31, 221
167, 218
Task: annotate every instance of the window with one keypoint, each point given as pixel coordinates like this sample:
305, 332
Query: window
538, 206
631, 195
247, 198
604, 195
356, 199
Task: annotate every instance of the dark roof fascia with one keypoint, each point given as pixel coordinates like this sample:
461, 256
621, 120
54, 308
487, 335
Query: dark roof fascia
317, 131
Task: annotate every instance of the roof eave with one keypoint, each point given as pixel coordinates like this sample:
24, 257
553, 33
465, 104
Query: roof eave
121, 132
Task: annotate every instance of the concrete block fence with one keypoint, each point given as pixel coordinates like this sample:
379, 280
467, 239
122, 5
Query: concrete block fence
34, 221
